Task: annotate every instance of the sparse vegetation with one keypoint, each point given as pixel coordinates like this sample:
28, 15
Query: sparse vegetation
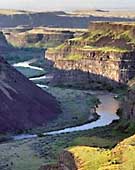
105, 49
73, 113
74, 57
33, 153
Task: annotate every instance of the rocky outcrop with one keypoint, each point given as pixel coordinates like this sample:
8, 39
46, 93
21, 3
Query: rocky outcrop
128, 104
23, 104
102, 55
65, 162
116, 26
113, 65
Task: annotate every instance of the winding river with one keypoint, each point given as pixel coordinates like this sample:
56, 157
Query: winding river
26, 64
107, 111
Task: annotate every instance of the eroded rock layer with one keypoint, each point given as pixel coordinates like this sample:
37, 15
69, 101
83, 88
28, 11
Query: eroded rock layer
105, 54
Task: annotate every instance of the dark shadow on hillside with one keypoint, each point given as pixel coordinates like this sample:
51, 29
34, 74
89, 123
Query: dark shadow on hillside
82, 80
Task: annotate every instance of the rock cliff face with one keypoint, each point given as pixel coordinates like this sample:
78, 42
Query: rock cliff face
105, 54
23, 104
128, 104
65, 162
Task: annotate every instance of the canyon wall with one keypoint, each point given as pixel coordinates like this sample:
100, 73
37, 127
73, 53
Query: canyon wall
116, 26
44, 38
94, 68
102, 55
128, 106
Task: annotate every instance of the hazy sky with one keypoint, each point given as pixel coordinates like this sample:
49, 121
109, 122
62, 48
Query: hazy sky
67, 4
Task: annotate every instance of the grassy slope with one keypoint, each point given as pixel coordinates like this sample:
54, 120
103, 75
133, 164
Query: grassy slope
96, 42
122, 157
32, 153
75, 105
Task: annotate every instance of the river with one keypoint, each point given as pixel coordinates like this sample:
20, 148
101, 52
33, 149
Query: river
107, 111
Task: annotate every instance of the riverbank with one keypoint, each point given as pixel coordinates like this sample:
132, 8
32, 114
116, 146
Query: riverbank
77, 109
32, 153
76, 105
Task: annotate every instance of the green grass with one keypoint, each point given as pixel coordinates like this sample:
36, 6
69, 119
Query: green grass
105, 49
88, 158
19, 158
56, 49
33, 153
73, 113
122, 157
92, 141
74, 57
93, 38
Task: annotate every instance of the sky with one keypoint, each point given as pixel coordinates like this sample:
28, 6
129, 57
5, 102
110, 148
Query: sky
44, 5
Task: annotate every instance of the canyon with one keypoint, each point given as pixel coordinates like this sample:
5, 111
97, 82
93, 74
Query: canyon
100, 58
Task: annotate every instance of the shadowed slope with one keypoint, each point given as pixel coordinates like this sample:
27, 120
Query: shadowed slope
23, 104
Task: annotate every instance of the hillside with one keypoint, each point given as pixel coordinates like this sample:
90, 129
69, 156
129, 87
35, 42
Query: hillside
122, 157
128, 102
92, 155
24, 105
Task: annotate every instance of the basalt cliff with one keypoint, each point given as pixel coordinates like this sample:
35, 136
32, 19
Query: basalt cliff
103, 57
39, 37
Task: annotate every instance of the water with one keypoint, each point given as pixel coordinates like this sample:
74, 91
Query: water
26, 64
41, 77
107, 110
